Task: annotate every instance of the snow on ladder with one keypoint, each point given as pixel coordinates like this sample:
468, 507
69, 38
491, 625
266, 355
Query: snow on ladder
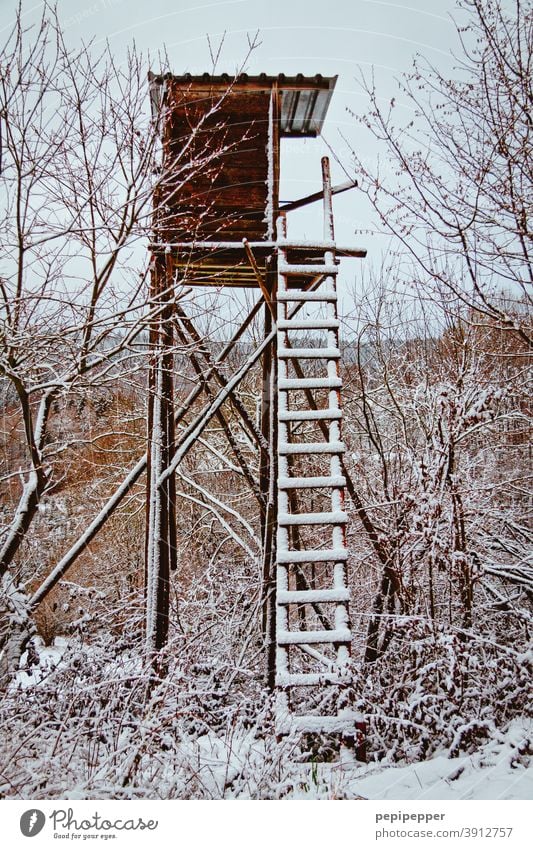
313, 636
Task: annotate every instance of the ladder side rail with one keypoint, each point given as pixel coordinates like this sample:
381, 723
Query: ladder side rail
342, 618
282, 570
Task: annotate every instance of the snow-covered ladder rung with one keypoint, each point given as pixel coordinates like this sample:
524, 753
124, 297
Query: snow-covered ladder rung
295, 638
344, 723
337, 517
308, 679
304, 270
312, 483
309, 415
309, 353
313, 596
311, 448
309, 324
310, 383
312, 555
300, 295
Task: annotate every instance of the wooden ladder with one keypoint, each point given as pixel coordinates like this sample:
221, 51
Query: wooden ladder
313, 635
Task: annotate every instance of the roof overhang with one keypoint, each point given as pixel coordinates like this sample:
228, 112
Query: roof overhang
304, 100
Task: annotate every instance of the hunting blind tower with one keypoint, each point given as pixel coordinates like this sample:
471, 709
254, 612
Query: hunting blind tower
218, 221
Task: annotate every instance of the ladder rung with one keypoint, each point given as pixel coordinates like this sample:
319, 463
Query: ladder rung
313, 555
310, 383
309, 415
312, 483
338, 518
308, 324
309, 353
312, 448
305, 269
302, 638
317, 724
299, 295
312, 596
308, 679
329, 245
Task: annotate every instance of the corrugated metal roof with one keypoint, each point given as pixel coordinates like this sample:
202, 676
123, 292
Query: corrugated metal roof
304, 99
303, 110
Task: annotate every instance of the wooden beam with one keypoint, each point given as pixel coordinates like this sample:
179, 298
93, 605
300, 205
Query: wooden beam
249, 477
214, 371
267, 245
336, 190
259, 277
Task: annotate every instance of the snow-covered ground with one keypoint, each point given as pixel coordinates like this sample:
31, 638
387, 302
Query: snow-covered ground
500, 770
49, 659
239, 763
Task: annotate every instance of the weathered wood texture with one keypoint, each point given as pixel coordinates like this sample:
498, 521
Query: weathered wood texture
226, 130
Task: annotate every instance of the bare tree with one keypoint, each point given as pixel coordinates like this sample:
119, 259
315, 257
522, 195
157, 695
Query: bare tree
459, 191
456, 196
437, 420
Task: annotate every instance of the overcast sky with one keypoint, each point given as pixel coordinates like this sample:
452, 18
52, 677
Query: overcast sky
344, 37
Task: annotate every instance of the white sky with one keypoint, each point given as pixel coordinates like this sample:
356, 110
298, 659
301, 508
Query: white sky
331, 37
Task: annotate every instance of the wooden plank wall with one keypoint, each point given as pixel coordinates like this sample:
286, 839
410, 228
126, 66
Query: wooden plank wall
225, 198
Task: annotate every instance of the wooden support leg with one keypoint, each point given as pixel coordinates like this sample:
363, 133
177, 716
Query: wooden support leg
160, 548
268, 484
266, 400
269, 570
